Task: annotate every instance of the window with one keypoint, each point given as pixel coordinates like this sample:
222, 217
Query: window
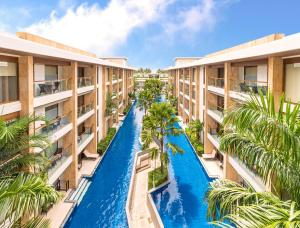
292, 80
250, 73
220, 72
8, 82
107, 74
80, 73
51, 112
194, 75
51, 73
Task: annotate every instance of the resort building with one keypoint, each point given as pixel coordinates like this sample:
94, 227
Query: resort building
208, 86
69, 87
140, 78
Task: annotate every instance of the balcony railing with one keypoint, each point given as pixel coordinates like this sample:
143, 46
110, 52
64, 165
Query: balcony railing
214, 133
248, 86
218, 110
84, 81
50, 87
84, 109
83, 136
216, 82
54, 125
114, 77
58, 158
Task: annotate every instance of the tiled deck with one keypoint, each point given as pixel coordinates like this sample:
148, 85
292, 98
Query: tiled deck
88, 166
212, 168
59, 211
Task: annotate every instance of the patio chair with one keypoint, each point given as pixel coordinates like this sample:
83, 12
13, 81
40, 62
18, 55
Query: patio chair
56, 87
210, 156
42, 88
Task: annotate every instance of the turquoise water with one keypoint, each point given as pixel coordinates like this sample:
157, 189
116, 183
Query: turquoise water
182, 202
104, 203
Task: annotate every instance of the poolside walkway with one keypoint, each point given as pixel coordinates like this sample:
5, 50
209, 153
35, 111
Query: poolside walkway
139, 213
212, 168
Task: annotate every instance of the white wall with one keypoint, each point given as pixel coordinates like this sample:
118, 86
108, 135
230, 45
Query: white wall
201, 94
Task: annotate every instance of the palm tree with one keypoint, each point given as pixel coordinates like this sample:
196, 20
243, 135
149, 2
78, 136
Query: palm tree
145, 99
110, 104
159, 123
238, 206
154, 86
23, 184
267, 140
195, 128
154, 152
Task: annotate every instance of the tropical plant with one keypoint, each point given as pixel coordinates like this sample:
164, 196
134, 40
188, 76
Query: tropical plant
104, 143
193, 132
154, 86
24, 191
236, 206
110, 104
267, 140
145, 99
159, 123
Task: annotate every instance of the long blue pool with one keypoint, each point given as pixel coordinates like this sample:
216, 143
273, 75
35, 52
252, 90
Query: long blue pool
181, 203
104, 202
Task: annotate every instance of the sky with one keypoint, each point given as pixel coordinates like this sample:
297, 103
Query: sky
151, 33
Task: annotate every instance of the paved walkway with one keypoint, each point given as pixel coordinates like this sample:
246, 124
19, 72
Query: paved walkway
139, 212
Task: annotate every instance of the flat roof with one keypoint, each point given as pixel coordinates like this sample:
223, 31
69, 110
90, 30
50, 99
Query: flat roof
18, 46
288, 45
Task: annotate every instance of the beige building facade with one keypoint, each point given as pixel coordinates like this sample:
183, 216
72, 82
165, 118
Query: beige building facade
68, 86
221, 79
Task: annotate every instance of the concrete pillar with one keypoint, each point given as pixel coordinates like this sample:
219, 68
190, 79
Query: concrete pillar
275, 77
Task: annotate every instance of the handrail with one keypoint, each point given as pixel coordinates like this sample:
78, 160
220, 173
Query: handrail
84, 81
59, 119
45, 87
81, 110
218, 82
215, 107
248, 86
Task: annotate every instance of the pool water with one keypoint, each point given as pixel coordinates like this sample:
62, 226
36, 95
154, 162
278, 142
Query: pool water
181, 203
104, 202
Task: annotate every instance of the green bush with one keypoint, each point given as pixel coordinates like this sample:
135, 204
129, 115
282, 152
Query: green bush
159, 178
195, 142
126, 110
103, 143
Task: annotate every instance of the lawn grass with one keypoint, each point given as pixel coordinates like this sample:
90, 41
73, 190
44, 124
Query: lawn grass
159, 177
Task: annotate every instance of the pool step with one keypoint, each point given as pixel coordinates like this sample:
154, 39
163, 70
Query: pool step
80, 191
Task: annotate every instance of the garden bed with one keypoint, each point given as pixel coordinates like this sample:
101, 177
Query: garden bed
104, 143
159, 178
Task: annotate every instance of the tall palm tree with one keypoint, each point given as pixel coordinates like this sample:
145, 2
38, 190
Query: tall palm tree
195, 128
267, 140
145, 99
235, 206
159, 123
23, 184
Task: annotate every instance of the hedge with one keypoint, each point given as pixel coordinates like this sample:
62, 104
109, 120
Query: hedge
103, 143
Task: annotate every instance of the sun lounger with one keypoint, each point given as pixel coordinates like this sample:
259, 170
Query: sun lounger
90, 155
212, 155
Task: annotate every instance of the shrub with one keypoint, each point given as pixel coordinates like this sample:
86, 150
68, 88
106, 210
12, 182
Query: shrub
195, 142
159, 178
126, 110
103, 143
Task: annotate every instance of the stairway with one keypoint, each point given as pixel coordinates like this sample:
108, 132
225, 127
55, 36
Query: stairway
78, 194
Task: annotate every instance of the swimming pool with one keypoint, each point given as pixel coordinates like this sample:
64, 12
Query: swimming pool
181, 202
104, 202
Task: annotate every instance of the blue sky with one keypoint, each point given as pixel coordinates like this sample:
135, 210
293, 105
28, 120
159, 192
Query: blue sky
151, 32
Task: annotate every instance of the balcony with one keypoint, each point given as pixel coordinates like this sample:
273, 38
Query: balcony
84, 139
213, 137
216, 112
46, 92
84, 112
9, 94
114, 79
85, 85
241, 89
113, 95
56, 129
60, 161
216, 85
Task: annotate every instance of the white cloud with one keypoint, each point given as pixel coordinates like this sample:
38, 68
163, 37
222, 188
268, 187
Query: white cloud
193, 19
97, 29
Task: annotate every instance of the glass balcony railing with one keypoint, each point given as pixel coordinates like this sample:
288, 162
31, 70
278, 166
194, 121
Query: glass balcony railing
83, 136
216, 82
114, 77
218, 110
54, 125
84, 109
214, 133
50, 87
248, 86
84, 81
58, 158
